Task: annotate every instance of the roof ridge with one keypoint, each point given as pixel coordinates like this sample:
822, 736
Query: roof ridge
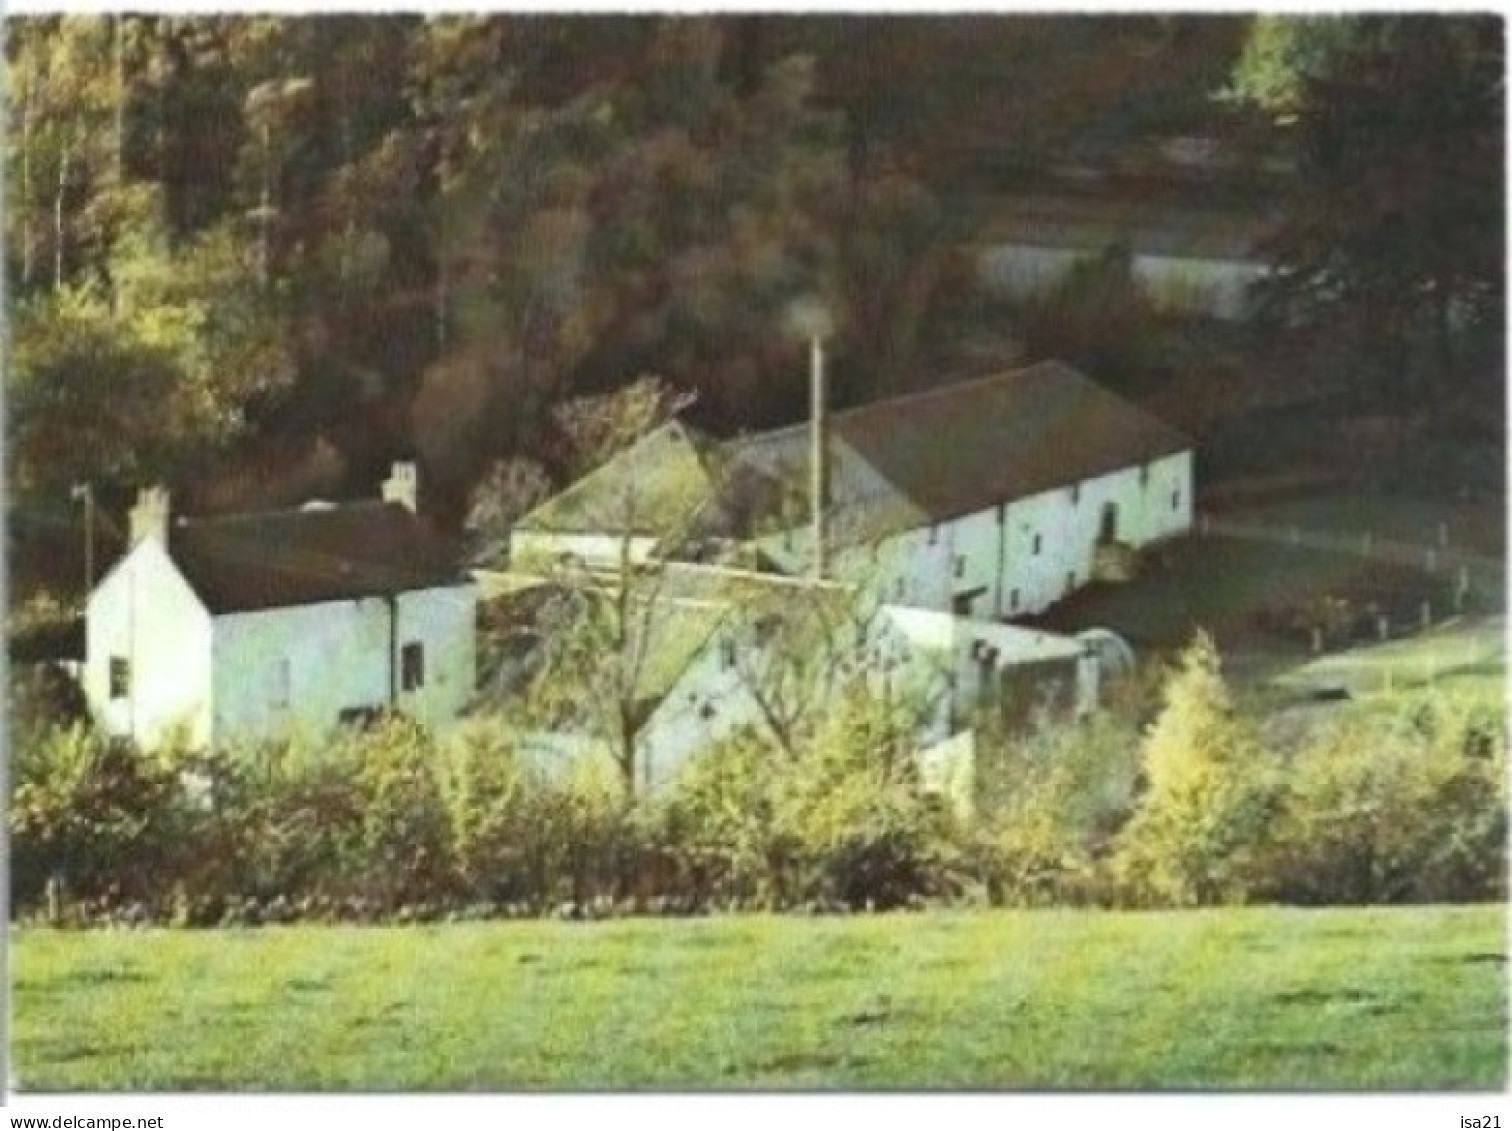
959, 386
912, 398
285, 512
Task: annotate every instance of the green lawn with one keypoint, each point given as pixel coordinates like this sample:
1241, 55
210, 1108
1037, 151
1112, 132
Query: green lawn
1263, 998
1467, 653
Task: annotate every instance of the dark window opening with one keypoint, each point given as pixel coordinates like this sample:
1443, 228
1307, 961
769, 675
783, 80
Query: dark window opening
412, 666
960, 565
1013, 599
1109, 531
359, 716
727, 653
1038, 543
1176, 499
934, 534
1075, 494
898, 588
1144, 476
120, 677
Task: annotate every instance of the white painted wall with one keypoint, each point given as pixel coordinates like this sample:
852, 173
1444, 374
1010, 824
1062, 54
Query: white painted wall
601, 551
918, 656
998, 561
714, 699
145, 612
296, 669
1217, 287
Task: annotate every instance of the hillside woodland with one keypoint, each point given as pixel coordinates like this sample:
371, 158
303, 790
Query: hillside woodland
260, 257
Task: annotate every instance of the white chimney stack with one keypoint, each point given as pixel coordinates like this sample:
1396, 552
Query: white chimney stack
149, 517
403, 486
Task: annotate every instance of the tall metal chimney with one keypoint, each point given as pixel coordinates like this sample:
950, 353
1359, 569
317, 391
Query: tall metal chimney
818, 454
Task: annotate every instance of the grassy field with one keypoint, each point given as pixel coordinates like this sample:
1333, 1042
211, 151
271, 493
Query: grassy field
1240, 999
1222, 585
1468, 653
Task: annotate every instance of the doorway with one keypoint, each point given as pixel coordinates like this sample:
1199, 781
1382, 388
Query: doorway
1108, 532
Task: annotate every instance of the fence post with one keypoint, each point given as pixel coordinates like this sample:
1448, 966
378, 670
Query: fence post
1462, 589
1317, 640
1427, 612
1383, 627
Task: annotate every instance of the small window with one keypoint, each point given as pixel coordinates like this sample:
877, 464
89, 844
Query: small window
412, 667
934, 534
1176, 499
1038, 544
120, 677
360, 717
706, 710
1013, 599
960, 565
1075, 494
1144, 475
898, 587
727, 653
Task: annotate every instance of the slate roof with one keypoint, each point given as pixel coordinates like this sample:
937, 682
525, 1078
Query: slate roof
274, 559
652, 487
1147, 226
965, 447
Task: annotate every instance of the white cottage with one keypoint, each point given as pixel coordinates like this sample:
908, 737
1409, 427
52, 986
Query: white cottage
775, 644
992, 498
252, 626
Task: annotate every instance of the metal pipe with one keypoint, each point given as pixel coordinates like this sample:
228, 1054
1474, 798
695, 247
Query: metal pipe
818, 454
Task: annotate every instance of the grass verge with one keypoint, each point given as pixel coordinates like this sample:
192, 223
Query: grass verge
1231, 999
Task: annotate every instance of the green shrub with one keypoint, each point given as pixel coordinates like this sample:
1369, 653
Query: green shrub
1049, 803
1394, 805
1211, 790
405, 833
852, 814
96, 815
716, 828
496, 808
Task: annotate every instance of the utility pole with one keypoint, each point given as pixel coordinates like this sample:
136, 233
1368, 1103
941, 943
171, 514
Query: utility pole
818, 455
85, 491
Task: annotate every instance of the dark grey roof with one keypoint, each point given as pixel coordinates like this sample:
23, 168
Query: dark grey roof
303, 557
1145, 225
969, 446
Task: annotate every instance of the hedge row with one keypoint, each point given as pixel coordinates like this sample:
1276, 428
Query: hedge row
1397, 801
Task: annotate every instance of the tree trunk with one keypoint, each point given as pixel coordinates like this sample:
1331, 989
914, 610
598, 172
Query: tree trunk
28, 225
265, 212
59, 225
118, 27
